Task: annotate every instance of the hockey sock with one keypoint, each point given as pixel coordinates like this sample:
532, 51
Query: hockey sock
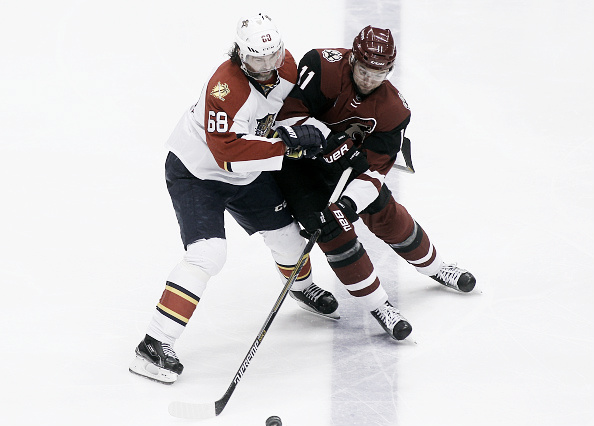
303, 280
181, 295
418, 251
351, 264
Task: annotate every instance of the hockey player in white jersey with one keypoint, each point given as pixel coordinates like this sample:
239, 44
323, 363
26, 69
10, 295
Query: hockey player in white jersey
220, 159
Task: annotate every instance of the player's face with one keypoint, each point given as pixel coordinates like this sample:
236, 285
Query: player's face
262, 67
367, 79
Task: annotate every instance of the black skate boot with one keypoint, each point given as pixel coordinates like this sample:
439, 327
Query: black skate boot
456, 278
317, 300
390, 319
156, 361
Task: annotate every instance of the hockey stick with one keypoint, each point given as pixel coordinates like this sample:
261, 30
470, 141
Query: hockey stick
199, 411
406, 154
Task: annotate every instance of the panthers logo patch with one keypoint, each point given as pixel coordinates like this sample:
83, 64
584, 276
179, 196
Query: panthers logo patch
264, 125
220, 91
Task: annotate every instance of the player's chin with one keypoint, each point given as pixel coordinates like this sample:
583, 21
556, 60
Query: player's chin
366, 89
262, 76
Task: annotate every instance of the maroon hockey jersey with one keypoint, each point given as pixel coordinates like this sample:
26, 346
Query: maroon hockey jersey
325, 95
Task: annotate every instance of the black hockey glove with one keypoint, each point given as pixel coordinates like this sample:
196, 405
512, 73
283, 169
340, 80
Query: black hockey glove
340, 150
302, 141
338, 217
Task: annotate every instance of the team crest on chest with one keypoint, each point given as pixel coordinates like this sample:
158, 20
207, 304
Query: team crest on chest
220, 91
331, 55
264, 125
357, 128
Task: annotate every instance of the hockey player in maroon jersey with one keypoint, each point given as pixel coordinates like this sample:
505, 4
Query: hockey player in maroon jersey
347, 95
220, 159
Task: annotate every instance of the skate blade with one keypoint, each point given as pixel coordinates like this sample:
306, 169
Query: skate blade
332, 315
453, 287
144, 368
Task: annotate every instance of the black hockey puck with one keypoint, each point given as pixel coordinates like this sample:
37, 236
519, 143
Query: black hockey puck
274, 421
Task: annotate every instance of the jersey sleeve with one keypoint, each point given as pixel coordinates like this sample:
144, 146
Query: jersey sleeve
228, 113
381, 149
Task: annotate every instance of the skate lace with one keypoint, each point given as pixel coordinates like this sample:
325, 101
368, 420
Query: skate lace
168, 350
450, 274
389, 315
313, 292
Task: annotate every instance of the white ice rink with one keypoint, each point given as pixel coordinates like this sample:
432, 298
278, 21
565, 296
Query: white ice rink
502, 99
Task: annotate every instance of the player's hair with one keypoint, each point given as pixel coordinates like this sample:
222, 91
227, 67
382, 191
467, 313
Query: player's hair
234, 54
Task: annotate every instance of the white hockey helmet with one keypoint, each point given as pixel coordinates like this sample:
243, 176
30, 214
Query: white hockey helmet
261, 47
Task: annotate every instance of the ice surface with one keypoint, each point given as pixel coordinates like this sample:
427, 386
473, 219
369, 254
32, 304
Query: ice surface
502, 132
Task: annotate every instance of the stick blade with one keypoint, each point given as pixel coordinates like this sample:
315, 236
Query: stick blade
187, 410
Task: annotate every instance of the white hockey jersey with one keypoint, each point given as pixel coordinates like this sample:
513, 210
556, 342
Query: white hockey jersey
223, 136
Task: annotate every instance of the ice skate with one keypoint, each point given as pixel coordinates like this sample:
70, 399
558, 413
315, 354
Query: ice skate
455, 277
317, 300
156, 361
390, 319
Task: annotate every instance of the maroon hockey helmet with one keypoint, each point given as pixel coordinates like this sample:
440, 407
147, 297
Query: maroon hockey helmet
375, 48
